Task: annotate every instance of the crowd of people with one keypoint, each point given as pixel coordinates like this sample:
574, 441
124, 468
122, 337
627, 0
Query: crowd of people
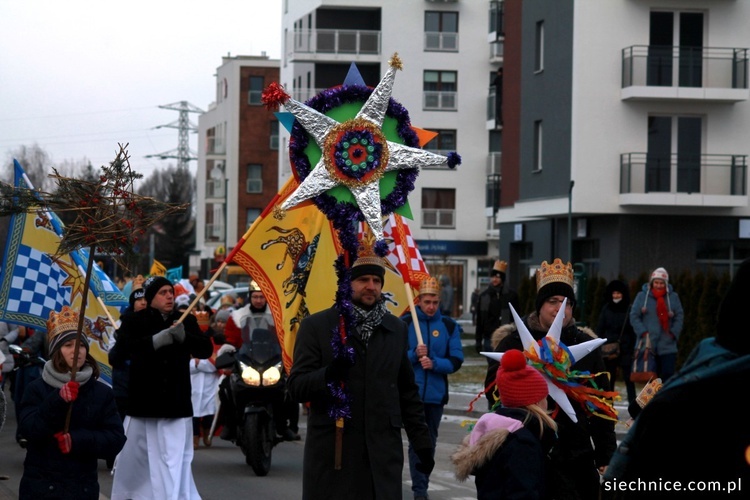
542, 436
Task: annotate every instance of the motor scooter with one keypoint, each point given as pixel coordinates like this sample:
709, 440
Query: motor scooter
256, 384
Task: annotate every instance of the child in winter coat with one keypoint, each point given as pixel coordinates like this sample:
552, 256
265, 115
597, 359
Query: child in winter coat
62, 463
507, 449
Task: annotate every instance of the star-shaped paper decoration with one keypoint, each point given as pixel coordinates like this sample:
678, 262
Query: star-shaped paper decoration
356, 154
577, 352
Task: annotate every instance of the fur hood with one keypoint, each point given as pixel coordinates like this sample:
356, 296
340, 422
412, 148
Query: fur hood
532, 320
468, 457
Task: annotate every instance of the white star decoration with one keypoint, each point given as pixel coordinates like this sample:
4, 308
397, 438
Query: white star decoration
394, 156
578, 351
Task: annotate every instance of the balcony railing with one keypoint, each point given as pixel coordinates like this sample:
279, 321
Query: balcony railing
214, 232
441, 41
215, 188
215, 146
491, 103
497, 51
443, 218
690, 174
697, 67
303, 95
439, 100
328, 41
495, 163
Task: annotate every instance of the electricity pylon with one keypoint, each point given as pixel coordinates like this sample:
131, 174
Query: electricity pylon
182, 153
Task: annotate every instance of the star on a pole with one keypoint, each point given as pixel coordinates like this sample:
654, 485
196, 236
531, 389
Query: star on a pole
355, 153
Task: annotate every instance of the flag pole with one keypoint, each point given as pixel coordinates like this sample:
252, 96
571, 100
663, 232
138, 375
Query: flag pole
413, 310
215, 276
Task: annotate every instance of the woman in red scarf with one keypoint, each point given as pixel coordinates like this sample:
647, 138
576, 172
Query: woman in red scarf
657, 312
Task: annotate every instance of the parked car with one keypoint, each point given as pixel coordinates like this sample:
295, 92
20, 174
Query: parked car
242, 292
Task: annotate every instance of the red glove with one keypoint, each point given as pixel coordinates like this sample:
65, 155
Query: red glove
64, 442
69, 392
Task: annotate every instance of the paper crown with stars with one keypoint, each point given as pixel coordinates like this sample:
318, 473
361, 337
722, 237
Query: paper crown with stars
62, 327
368, 262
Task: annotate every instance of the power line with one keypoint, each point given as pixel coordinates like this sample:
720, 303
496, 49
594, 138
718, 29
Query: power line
182, 154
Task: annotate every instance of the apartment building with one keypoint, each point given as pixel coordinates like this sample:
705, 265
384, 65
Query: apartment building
238, 156
625, 134
450, 58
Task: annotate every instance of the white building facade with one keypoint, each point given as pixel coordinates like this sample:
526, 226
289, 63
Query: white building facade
447, 70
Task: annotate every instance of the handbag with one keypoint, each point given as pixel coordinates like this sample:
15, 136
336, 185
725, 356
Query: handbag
611, 350
644, 361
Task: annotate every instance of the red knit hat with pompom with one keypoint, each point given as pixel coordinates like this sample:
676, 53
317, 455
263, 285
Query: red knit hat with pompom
518, 383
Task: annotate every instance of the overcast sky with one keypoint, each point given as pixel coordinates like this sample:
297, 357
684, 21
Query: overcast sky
79, 76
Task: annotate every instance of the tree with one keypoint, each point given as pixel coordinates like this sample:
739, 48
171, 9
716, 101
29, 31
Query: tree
174, 236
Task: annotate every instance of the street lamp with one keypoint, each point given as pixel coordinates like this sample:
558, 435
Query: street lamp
570, 221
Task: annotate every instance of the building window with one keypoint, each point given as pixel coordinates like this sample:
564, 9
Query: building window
254, 178
440, 90
721, 256
438, 208
537, 146
444, 143
539, 48
441, 31
252, 214
274, 145
256, 89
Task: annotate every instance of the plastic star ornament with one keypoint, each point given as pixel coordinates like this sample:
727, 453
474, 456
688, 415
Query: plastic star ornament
532, 349
355, 153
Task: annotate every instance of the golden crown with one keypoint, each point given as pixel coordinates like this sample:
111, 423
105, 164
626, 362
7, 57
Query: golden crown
554, 273
366, 252
500, 265
64, 321
429, 286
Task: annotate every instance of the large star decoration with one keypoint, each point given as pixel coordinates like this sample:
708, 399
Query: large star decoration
532, 349
356, 153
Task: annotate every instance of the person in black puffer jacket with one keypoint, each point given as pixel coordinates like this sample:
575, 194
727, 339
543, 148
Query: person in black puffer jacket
614, 326
585, 447
62, 462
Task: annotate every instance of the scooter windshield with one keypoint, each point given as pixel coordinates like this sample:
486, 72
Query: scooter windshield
263, 347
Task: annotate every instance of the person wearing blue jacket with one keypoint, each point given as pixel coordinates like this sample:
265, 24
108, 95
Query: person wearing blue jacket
434, 358
657, 311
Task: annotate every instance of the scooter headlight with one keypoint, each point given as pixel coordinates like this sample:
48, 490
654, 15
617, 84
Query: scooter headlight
250, 375
272, 375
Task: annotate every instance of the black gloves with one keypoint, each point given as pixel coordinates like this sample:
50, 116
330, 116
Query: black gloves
338, 369
426, 462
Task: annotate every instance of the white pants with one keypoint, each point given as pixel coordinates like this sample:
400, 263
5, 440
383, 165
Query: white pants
155, 462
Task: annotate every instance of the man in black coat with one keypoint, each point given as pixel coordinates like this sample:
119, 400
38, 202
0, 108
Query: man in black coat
376, 374
156, 459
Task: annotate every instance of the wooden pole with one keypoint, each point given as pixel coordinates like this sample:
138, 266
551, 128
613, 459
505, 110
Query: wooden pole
81, 317
413, 310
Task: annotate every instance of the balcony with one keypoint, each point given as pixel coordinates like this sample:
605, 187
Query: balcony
329, 44
439, 100
439, 41
492, 121
497, 20
215, 188
494, 163
709, 180
439, 218
685, 73
497, 52
214, 232
215, 145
